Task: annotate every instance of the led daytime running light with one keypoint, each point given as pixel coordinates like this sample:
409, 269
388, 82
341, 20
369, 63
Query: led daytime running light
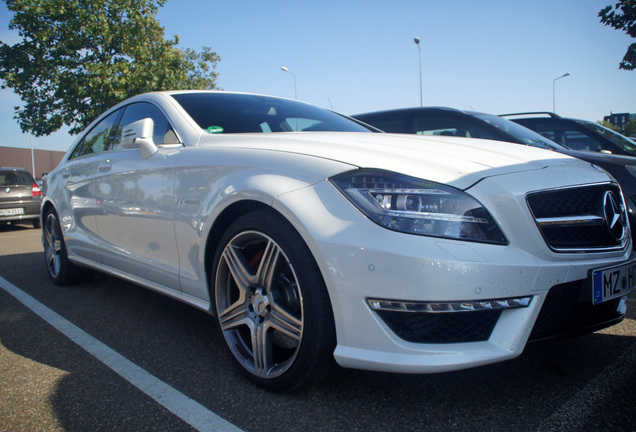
437, 216
446, 307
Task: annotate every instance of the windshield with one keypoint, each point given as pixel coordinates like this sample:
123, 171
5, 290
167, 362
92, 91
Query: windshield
244, 113
616, 138
526, 135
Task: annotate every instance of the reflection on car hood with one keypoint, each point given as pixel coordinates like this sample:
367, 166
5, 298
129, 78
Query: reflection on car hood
457, 161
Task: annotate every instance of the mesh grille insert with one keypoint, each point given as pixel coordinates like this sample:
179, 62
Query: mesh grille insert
441, 327
577, 218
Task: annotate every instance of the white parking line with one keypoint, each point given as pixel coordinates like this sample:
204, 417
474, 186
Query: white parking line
193, 413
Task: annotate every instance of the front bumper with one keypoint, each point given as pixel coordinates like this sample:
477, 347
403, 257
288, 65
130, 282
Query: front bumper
561, 303
362, 261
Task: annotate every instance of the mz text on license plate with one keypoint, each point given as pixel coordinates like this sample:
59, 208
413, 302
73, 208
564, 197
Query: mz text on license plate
614, 282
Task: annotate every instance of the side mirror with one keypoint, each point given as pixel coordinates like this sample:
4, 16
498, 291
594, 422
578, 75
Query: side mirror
139, 135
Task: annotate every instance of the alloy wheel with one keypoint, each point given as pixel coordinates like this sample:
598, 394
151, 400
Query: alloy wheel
259, 304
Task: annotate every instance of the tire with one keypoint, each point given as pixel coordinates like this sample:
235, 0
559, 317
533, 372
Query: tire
61, 270
272, 306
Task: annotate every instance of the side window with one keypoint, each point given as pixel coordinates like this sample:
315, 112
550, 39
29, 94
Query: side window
552, 132
162, 133
549, 135
448, 126
579, 141
569, 137
99, 138
390, 125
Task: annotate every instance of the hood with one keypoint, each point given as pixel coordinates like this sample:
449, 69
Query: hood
460, 162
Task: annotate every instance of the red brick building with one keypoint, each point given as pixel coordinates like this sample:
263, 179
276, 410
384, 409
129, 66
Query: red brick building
45, 160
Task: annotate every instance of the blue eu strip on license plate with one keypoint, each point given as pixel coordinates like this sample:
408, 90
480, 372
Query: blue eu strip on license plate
614, 282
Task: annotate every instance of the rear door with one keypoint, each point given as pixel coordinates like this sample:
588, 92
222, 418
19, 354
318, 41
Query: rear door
74, 188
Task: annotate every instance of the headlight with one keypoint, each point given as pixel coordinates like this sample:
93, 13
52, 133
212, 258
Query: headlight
415, 206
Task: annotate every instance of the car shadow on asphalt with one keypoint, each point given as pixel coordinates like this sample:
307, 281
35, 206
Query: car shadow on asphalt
180, 345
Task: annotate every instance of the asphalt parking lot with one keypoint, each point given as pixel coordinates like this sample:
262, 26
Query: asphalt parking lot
107, 355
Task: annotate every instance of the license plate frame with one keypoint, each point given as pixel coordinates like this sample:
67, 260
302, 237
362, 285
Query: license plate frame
613, 282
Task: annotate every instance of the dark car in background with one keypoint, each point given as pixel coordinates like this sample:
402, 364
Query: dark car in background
576, 134
444, 121
20, 197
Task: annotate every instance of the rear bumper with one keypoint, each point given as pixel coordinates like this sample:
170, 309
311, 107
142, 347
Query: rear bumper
31, 210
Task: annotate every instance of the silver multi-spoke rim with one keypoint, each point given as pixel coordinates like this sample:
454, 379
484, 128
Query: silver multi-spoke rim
52, 245
259, 304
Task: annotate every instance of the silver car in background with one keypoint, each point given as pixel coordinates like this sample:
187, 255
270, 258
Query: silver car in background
20, 197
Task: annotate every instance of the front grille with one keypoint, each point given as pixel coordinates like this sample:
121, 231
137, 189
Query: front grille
584, 218
568, 309
441, 327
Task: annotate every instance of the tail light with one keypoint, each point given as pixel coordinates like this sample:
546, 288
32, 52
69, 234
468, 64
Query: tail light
35, 190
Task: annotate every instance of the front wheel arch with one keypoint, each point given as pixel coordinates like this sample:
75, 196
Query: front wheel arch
220, 225
237, 291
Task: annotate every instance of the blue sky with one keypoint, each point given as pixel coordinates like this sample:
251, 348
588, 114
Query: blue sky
357, 56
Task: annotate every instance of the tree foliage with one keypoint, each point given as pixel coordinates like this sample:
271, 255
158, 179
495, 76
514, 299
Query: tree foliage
630, 128
79, 57
623, 17
609, 125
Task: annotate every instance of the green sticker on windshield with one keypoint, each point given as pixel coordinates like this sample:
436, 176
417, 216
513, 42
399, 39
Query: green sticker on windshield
215, 129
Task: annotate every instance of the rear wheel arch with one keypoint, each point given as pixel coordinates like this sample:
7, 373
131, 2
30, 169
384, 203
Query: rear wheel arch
61, 270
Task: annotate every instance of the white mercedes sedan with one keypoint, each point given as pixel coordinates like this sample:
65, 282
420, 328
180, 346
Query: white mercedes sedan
314, 241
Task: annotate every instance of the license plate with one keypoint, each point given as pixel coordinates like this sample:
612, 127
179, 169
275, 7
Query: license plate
614, 282
11, 212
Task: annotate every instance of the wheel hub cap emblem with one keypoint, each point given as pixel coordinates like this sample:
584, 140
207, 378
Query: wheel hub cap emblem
260, 303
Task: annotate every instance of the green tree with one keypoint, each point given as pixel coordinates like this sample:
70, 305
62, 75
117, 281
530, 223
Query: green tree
79, 57
630, 128
623, 17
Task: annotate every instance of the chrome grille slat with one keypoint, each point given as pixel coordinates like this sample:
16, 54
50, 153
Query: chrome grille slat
572, 221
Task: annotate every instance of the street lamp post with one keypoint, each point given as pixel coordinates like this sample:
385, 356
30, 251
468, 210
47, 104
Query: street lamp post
419, 50
554, 90
33, 159
295, 87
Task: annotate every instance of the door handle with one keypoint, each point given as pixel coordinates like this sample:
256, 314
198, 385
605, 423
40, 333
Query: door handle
105, 166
